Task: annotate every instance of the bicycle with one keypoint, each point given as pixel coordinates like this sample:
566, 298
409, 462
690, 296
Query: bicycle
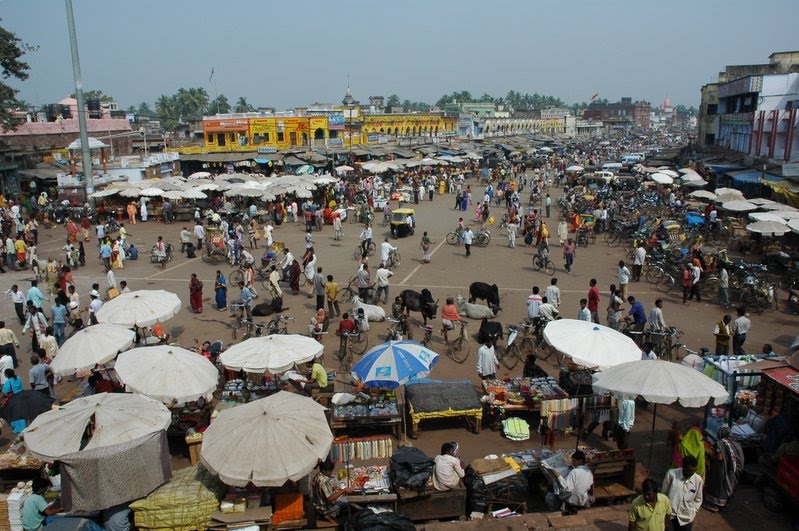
354, 342
238, 316
278, 325
427, 338
351, 291
666, 344
400, 329
510, 354
546, 265
454, 237
541, 349
252, 329
370, 250
393, 261
584, 234
458, 350
482, 237
758, 297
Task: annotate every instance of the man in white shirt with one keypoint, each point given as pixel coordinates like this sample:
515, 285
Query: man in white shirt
94, 306
487, 363
534, 301
468, 237
547, 311
552, 293
583, 314
656, 321
449, 469
740, 327
572, 489
385, 250
365, 237
288, 259
381, 280
199, 233
185, 238
647, 353
638, 261
683, 486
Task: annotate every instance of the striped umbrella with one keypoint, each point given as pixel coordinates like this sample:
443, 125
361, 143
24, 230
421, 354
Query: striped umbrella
393, 363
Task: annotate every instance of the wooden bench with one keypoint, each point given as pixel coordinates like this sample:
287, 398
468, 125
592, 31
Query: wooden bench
614, 479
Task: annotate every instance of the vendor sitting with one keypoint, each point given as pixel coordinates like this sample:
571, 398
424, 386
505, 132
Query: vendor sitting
317, 379
35, 508
574, 490
157, 336
329, 498
449, 468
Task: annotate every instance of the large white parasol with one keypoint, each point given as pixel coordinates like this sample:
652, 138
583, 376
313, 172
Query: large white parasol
738, 205
167, 373
590, 344
90, 346
769, 228
140, 308
662, 178
116, 418
273, 353
703, 194
767, 216
267, 442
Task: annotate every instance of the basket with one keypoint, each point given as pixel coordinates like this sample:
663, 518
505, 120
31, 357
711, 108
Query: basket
788, 475
288, 506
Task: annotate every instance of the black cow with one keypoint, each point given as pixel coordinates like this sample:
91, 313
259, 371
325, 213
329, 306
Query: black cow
490, 331
486, 292
419, 302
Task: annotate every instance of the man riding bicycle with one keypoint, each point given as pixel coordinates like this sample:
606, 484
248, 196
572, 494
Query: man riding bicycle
449, 316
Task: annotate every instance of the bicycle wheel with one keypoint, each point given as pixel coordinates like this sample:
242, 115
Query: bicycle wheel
459, 350
582, 240
653, 274
370, 295
676, 352
371, 249
665, 284
613, 240
356, 254
394, 260
710, 287
235, 276
510, 358
549, 268
482, 240
347, 294
527, 347
541, 350
452, 238
537, 265
748, 297
235, 327
358, 344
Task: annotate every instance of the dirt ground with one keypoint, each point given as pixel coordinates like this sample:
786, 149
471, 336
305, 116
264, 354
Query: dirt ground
449, 273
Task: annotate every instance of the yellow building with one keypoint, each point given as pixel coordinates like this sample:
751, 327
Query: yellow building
243, 132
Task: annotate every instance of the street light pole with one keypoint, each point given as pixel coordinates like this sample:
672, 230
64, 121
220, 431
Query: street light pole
84, 133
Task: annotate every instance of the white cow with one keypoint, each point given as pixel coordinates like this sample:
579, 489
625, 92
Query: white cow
473, 311
371, 311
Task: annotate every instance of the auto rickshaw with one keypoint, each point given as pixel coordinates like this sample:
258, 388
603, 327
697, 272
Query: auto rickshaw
399, 222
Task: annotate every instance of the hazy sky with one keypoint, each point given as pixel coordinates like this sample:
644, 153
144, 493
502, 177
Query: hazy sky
292, 53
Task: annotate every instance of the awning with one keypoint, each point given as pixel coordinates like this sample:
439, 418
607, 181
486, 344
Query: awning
751, 176
45, 174
726, 168
219, 157
786, 376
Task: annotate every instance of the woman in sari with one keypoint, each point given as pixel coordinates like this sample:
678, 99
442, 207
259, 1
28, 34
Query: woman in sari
116, 255
196, 294
220, 289
725, 471
692, 444
425, 247
294, 277
72, 232
51, 275
66, 279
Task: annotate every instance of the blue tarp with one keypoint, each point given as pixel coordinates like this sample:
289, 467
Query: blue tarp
752, 176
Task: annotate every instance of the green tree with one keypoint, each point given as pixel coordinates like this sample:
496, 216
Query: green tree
219, 105
94, 95
11, 50
393, 101
191, 103
242, 105
145, 110
166, 109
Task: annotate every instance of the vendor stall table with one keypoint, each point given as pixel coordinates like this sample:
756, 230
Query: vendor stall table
523, 394
429, 399
15, 467
434, 504
378, 411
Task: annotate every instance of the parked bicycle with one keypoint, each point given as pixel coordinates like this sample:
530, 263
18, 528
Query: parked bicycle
351, 290
278, 325
399, 330
458, 349
427, 338
509, 354
394, 260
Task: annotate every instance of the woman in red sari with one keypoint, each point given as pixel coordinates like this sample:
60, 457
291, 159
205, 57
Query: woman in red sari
72, 231
196, 294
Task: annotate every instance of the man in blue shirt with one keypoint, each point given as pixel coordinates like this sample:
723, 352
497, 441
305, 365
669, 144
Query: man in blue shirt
35, 295
105, 254
637, 313
59, 313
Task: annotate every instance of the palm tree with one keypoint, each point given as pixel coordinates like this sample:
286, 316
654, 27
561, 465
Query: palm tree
191, 102
219, 105
242, 105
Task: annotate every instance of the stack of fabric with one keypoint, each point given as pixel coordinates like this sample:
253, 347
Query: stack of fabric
4, 523
15, 501
516, 429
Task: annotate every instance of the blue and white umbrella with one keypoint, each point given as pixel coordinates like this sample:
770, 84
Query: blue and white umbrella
393, 363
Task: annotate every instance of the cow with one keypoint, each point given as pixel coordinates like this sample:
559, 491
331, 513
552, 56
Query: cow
490, 331
473, 311
413, 301
486, 292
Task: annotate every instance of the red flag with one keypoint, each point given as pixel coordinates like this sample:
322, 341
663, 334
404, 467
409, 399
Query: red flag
594, 96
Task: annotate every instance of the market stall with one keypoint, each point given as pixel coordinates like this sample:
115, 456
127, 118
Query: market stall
380, 408
434, 399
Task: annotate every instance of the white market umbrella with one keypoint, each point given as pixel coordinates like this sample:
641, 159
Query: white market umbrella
738, 206
173, 194
117, 417
659, 382
167, 373
590, 344
192, 194
152, 192
106, 193
734, 191
93, 144
693, 184
303, 192
575, 168
245, 191
205, 186
778, 207
703, 194
767, 216
768, 228
662, 178
90, 346
325, 179
793, 224
267, 442
140, 308
130, 192
199, 175
649, 169
274, 353
787, 214
689, 177
344, 168
761, 201
687, 170
671, 173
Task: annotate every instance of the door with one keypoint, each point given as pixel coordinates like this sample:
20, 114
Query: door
293, 138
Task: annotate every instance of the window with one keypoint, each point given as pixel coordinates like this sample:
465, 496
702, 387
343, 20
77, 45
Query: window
265, 137
280, 136
712, 108
209, 138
